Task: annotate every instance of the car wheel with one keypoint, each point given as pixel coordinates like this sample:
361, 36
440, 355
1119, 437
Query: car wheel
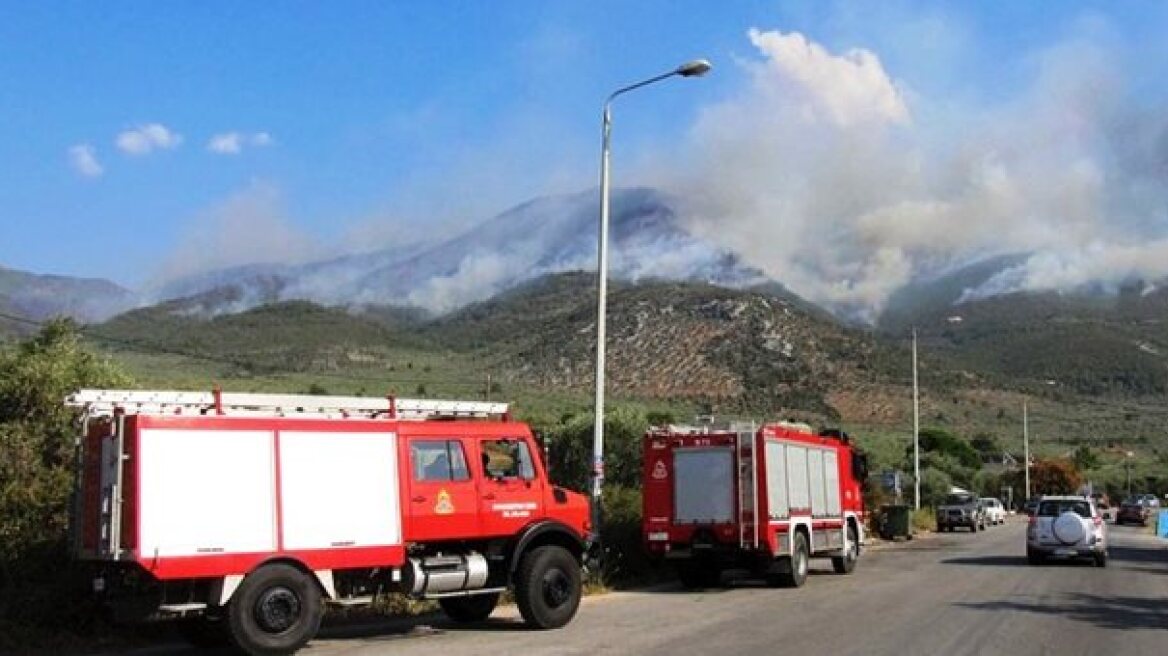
846, 563
1034, 558
1101, 559
276, 610
548, 587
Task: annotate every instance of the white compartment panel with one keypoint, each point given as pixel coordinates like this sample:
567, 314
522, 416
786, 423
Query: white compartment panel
339, 489
204, 492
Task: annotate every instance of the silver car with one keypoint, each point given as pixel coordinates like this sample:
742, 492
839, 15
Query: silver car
1066, 527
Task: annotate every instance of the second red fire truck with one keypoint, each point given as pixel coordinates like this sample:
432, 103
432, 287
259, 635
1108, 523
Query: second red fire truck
767, 499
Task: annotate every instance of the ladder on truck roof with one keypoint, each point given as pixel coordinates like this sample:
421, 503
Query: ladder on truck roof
100, 402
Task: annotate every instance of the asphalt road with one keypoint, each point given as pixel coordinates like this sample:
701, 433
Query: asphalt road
954, 593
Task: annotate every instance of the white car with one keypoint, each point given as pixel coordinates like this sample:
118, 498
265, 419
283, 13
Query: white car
1066, 527
995, 512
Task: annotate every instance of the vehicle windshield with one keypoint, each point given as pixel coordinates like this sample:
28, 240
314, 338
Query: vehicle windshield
1056, 508
957, 499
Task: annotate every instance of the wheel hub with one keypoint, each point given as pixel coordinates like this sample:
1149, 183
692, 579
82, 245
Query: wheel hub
557, 588
277, 609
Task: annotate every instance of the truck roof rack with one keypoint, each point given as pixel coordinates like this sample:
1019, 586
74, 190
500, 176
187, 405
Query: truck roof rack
101, 402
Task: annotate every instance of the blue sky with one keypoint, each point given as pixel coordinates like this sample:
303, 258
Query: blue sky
141, 140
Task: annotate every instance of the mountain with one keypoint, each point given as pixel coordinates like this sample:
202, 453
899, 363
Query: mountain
37, 297
675, 341
548, 235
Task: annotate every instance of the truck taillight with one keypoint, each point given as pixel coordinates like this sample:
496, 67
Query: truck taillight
1033, 521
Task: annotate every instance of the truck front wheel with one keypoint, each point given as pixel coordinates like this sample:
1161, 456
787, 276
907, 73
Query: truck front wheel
846, 563
474, 608
276, 610
548, 587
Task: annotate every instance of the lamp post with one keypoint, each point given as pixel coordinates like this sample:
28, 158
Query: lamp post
695, 68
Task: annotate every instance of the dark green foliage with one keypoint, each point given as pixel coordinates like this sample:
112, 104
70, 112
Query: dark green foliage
570, 448
943, 443
37, 436
1085, 458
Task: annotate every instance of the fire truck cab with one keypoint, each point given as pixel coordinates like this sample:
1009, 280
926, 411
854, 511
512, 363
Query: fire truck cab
762, 498
242, 514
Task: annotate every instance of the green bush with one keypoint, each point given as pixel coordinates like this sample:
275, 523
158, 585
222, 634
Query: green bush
40, 597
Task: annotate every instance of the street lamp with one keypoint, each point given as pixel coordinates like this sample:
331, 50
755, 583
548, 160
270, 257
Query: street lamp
695, 68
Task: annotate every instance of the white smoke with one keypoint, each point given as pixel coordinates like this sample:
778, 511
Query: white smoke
843, 183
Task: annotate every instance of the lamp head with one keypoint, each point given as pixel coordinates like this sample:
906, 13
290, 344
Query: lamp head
695, 68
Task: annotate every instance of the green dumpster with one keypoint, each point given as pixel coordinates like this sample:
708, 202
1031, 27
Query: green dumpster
895, 522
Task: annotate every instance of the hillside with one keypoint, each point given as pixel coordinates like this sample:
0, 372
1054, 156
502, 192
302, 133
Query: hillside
687, 346
1090, 341
731, 349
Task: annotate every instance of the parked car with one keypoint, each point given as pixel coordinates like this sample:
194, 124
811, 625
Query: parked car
961, 510
1066, 527
1131, 511
1149, 501
994, 510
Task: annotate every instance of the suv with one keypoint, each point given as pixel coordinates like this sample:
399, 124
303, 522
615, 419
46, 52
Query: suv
961, 510
1066, 527
994, 510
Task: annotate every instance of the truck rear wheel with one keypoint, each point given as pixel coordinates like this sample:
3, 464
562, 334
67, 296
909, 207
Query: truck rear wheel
276, 610
548, 587
800, 563
474, 608
846, 563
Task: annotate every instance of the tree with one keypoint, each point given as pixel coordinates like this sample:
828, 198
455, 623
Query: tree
37, 436
941, 441
1085, 458
570, 446
37, 431
1056, 476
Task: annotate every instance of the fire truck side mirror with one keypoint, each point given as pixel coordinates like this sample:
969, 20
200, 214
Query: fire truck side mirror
860, 466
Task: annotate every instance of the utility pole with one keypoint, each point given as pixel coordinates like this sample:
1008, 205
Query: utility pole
1026, 446
916, 426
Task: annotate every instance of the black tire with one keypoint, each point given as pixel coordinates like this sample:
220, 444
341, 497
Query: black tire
800, 563
846, 563
206, 632
1101, 559
276, 610
548, 587
474, 608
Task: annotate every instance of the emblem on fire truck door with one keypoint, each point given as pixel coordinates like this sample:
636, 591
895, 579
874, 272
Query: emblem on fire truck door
443, 506
659, 471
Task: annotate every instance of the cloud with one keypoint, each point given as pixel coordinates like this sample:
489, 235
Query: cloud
233, 143
83, 159
146, 138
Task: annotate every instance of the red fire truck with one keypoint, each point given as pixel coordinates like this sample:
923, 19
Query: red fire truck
767, 499
243, 513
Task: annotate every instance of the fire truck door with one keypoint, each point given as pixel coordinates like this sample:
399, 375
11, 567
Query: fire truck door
442, 502
510, 493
